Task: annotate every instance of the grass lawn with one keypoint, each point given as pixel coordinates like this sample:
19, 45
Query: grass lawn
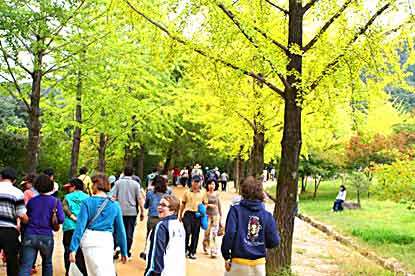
386, 227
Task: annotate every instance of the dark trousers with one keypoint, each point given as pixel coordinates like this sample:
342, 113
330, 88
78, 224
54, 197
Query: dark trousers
80, 262
224, 183
192, 227
129, 225
338, 205
9, 242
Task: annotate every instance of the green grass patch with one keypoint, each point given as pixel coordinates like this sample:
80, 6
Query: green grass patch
386, 227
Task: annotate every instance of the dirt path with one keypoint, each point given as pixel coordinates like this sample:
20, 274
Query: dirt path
313, 252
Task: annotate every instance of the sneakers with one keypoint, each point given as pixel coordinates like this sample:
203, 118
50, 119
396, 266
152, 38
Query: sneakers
116, 254
143, 256
192, 256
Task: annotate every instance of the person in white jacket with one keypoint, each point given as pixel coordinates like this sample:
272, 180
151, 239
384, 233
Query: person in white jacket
166, 242
341, 197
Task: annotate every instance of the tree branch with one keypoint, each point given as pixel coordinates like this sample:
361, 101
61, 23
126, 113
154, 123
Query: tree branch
329, 67
203, 53
309, 5
58, 29
327, 25
13, 77
286, 12
273, 41
246, 120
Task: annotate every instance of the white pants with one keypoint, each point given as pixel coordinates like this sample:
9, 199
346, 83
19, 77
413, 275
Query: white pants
246, 270
97, 247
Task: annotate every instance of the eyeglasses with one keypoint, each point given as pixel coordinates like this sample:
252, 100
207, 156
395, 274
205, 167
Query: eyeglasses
163, 205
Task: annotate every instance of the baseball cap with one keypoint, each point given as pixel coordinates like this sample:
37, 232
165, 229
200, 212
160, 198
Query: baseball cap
196, 178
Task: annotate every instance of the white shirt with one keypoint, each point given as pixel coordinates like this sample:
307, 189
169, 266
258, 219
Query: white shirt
341, 195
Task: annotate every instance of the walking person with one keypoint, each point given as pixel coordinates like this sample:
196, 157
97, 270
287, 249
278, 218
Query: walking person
127, 192
39, 231
188, 209
165, 244
214, 213
12, 207
72, 207
184, 176
249, 231
151, 203
93, 233
84, 177
224, 180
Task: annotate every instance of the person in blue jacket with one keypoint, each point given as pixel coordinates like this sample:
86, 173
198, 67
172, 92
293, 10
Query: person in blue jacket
249, 231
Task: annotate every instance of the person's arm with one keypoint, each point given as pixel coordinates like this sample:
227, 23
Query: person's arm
230, 234
66, 209
159, 239
147, 201
220, 210
21, 210
182, 205
61, 215
120, 229
82, 220
272, 238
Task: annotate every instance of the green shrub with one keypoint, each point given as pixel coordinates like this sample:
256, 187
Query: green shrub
382, 236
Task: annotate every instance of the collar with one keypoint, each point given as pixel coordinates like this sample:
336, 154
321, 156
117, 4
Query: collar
170, 217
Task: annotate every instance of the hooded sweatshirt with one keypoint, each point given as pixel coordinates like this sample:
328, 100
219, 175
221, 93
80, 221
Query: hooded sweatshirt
250, 229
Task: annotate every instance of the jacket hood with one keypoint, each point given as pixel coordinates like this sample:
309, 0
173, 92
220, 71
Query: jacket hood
253, 205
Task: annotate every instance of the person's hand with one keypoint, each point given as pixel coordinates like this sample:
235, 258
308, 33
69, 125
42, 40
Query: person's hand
227, 265
141, 217
180, 219
124, 259
72, 257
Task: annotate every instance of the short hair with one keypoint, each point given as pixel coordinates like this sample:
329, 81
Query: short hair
78, 184
48, 172
344, 187
128, 171
174, 203
43, 184
252, 189
9, 173
101, 182
83, 170
160, 185
211, 181
29, 178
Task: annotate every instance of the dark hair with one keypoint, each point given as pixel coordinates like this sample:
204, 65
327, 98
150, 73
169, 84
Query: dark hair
174, 203
101, 182
29, 178
43, 184
214, 182
344, 187
160, 185
128, 171
78, 183
83, 170
9, 173
252, 189
48, 172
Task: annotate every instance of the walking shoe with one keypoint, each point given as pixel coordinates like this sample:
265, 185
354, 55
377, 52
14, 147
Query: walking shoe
192, 256
116, 254
143, 256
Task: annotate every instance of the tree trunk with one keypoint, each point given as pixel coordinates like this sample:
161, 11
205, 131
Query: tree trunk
140, 167
76, 140
227, 167
128, 155
304, 180
256, 158
101, 152
316, 185
280, 259
236, 173
241, 170
358, 198
168, 158
34, 126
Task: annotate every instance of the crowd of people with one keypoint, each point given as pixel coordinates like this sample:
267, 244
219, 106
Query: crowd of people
98, 217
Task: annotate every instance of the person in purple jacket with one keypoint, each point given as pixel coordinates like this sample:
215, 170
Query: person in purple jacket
249, 231
39, 234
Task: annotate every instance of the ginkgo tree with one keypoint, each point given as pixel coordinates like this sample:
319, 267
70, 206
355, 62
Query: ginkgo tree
298, 46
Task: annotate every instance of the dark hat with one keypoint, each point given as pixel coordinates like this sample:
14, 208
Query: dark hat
196, 178
74, 182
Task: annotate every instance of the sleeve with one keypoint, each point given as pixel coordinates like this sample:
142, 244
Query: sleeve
147, 201
122, 237
61, 215
20, 206
272, 238
81, 222
230, 234
158, 243
138, 191
115, 190
184, 199
65, 207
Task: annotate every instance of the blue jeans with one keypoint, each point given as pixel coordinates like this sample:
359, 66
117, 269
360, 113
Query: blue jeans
31, 245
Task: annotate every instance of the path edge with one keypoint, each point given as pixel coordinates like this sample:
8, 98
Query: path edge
387, 263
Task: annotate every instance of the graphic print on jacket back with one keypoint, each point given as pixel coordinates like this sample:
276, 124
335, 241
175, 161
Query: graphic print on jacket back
254, 226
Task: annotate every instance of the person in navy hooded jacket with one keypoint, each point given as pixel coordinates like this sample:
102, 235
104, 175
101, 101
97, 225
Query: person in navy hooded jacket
249, 231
